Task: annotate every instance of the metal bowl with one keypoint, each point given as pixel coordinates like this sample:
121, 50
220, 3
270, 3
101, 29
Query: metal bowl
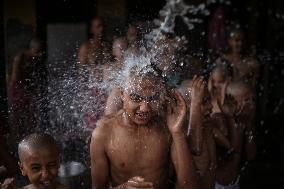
74, 174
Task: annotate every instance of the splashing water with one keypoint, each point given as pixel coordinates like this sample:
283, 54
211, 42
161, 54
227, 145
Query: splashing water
75, 105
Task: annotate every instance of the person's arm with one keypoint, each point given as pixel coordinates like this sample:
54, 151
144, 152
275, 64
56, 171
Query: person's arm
195, 129
15, 69
180, 153
82, 55
220, 130
99, 162
229, 170
9, 167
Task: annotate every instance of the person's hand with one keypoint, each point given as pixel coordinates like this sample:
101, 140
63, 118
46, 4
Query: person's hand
176, 110
220, 91
223, 91
137, 182
197, 90
9, 183
229, 106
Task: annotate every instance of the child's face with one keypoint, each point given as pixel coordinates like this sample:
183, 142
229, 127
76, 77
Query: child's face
143, 100
97, 27
218, 80
236, 41
41, 167
245, 101
131, 34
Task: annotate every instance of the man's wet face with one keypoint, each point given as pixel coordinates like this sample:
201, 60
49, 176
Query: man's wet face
143, 99
41, 167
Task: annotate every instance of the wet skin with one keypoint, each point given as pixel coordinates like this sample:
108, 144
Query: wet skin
41, 168
134, 148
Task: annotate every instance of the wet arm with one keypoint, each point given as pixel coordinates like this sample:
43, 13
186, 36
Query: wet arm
183, 162
99, 162
195, 130
229, 170
82, 55
220, 131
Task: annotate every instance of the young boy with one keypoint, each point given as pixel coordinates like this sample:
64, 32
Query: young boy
220, 76
239, 110
203, 135
137, 147
39, 161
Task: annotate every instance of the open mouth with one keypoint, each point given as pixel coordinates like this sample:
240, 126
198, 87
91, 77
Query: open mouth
142, 117
46, 184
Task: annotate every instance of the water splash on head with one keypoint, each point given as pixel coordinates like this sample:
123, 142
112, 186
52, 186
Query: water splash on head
75, 105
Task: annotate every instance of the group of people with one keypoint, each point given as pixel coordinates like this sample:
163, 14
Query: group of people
152, 134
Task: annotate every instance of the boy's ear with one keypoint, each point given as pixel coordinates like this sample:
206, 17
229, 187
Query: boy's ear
22, 168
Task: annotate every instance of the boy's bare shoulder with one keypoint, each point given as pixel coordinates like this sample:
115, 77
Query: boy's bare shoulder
105, 125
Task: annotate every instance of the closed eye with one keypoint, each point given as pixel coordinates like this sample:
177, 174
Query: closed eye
135, 97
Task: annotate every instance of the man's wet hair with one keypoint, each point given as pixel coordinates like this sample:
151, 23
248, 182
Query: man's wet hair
148, 71
36, 141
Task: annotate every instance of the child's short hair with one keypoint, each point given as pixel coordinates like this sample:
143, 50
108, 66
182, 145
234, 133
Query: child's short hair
36, 141
224, 66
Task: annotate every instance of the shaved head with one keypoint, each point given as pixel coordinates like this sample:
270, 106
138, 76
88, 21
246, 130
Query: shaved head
36, 141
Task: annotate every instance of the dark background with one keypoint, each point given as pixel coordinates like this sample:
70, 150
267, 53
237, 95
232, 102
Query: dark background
264, 25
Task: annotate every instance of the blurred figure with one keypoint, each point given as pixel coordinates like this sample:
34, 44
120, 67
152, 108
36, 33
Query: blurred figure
25, 88
95, 52
121, 48
93, 57
132, 40
216, 30
245, 67
239, 111
220, 77
8, 166
166, 50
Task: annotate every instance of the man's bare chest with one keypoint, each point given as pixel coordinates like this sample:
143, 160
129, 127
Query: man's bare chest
138, 151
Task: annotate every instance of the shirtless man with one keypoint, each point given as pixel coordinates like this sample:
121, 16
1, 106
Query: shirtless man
95, 52
138, 147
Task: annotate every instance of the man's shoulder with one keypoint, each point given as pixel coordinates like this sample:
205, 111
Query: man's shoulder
106, 124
